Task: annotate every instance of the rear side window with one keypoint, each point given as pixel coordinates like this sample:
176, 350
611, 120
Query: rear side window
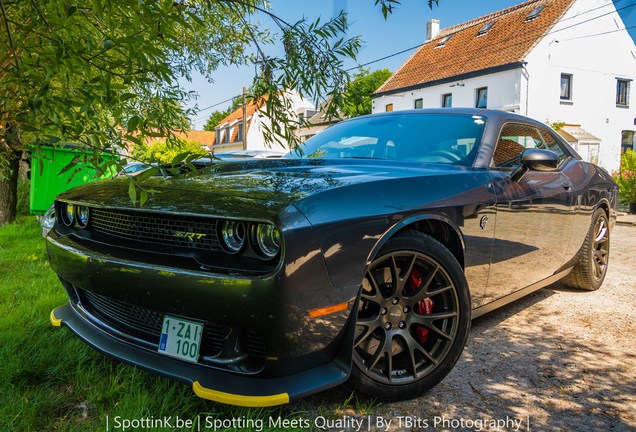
515, 138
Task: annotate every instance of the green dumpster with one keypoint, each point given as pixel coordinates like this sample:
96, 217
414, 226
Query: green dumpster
47, 182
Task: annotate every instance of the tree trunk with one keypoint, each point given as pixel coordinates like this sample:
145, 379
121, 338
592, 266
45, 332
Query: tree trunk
11, 152
9, 188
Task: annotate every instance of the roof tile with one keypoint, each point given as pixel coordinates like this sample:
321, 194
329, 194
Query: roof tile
508, 41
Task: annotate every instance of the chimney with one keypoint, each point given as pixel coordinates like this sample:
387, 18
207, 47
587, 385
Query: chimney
432, 28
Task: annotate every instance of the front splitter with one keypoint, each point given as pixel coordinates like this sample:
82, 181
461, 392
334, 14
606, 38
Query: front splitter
218, 386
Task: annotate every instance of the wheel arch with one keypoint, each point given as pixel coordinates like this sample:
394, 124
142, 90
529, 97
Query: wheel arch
439, 227
605, 205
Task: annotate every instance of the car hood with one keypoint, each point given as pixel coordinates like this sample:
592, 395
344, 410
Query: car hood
250, 189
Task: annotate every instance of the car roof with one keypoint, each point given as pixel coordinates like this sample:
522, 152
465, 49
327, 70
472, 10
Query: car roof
488, 113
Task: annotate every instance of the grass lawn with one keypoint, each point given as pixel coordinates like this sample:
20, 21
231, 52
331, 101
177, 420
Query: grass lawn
49, 380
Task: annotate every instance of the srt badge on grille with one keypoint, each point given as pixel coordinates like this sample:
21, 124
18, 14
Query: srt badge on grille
188, 235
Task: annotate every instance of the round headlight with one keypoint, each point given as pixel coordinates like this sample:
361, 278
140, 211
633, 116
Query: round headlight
233, 236
83, 216
68, 214
268, 240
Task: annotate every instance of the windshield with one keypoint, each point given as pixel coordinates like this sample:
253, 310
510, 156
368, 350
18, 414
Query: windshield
433, 138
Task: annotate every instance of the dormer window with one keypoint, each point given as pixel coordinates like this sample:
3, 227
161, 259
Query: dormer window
535, 13
443, 40
482, 31
240, 132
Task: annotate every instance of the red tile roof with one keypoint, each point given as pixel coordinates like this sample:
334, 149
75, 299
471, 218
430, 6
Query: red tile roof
507, 42
250, 108
201, 137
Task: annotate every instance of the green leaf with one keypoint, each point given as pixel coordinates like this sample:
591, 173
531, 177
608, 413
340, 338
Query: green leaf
133, 122
132, 192
45, 87
143, 197
145, 175
180, 157
70, 165
126, 96
75, 171
70, 10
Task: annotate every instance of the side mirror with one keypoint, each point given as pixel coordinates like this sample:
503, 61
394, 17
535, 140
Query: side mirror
539, 160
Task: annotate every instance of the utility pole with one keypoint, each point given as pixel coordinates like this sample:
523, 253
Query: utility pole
244, 118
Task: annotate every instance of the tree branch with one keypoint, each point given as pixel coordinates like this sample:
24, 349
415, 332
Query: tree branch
10, 36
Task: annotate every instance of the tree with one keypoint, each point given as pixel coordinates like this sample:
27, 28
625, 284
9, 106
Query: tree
216, 117
105, 73
159, 151
357, 96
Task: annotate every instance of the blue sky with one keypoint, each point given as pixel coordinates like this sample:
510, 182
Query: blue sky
405, 28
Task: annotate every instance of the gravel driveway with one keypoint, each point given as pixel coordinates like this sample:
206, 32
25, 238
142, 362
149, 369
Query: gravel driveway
557, 360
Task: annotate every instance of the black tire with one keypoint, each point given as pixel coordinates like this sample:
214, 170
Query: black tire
593, 259
413, 319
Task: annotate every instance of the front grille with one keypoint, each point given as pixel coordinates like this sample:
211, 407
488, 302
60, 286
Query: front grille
145, 324
139, 322
175, 230
255, 345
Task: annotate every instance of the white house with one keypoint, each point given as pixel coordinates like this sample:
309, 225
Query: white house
229, 132
317, 121
560, 61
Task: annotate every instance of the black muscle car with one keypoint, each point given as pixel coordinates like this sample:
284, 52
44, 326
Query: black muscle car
361, 257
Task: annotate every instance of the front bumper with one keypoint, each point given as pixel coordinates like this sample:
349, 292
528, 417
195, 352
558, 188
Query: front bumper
223, 387
302, 356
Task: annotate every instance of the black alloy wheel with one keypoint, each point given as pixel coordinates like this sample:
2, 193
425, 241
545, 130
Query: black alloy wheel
413, 318
592, 261
600, 248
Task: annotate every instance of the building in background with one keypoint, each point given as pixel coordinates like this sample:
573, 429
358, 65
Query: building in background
317, 121
230, 131
558, 61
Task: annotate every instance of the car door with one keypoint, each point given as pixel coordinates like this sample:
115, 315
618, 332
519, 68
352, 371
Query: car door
534, 213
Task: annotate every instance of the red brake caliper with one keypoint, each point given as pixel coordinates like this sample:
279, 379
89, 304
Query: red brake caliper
423, 307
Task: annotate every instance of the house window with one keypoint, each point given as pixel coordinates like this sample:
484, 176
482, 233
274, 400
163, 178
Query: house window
535, 13
419, 103
481, 97
482, 31
240, 132
622, 92
388, 107
442, 41
566, 87
447, 100
218, 136
226, 133
628, 141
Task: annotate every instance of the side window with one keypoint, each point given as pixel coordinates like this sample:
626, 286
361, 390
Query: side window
513, 140
551, 144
